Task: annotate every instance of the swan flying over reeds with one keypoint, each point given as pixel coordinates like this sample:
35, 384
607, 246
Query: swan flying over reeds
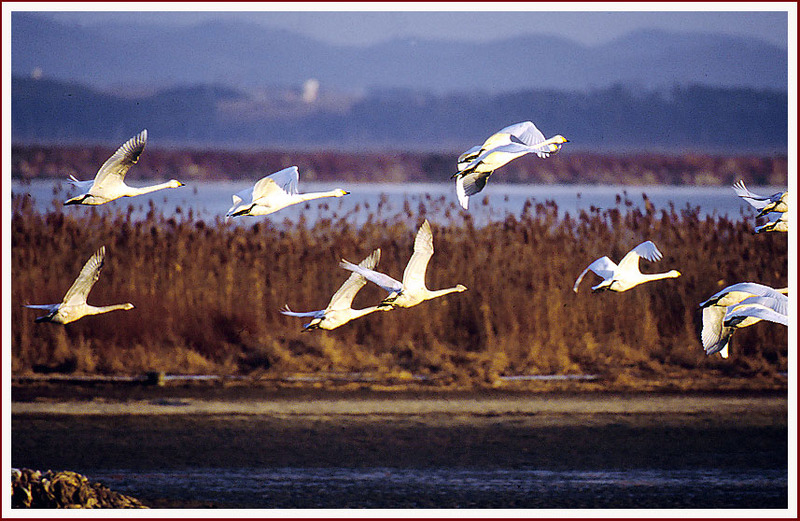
715, 335
412, 290
479, 162
339, 310
626, 274
74, 305
275, 192
109, 182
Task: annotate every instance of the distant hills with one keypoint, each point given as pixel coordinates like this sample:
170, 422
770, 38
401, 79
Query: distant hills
248, 56
615, 119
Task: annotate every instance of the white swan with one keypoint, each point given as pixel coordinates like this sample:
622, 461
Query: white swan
626, 275
74, 305
714, 336
525, 133
777, 202
478, 163
275, 192
724, 321
338, 310
412, 290
109, 182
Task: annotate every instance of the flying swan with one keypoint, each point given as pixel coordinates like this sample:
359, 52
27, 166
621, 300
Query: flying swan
777, 202
412, 290
626, 275
479, 162
715, 336
275, 192
74, 305
338, 310
109, 183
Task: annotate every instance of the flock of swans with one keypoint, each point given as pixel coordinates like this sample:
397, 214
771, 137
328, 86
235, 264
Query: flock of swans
736, 306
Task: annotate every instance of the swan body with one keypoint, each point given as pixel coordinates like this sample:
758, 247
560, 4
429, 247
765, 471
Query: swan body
626, 275
479, 162
339, 310
524, 133
412, 290
715, 335
275, 192
109, 182
74, 306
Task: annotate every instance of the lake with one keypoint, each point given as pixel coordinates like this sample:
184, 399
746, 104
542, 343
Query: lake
212, 199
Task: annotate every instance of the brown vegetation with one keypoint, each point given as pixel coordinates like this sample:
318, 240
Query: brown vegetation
207, 296
32, 162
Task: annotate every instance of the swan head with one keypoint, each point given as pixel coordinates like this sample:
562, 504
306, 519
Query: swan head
126, 306
559, 139
340, 193
174, 183
460, 288
673, 274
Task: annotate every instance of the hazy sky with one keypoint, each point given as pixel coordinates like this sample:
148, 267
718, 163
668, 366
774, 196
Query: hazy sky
359, 27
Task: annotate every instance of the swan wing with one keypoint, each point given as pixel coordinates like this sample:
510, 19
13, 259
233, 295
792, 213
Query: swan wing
735, 293
473, 183
48, 307
414, 274
384, 281
646, 249
289, 312
344, 296
779, 304
756, 201
83, 185
89, 274
463, 199
711, 335
467, 157
603, 267
755, 310
285, 181
525, 133
114, 169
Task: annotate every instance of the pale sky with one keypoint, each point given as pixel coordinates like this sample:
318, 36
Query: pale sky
360, 27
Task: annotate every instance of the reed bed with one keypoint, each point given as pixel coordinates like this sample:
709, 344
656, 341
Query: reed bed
208, 294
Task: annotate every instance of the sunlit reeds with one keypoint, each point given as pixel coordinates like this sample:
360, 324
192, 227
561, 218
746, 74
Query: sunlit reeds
207, 295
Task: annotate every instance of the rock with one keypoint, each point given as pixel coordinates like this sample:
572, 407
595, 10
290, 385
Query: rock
64, 489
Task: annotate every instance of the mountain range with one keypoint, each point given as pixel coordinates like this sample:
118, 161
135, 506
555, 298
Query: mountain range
250, 56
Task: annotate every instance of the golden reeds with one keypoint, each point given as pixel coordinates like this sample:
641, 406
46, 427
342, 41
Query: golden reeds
207, 295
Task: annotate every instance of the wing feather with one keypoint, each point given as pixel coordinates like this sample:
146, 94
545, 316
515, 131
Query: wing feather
89, 274
414, 274
344, 296
114, 169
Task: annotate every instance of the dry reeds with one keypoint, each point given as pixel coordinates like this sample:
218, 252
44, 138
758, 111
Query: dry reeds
207, 295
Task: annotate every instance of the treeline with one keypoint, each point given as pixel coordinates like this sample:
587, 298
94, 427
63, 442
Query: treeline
208, 295
611, 120
567, 167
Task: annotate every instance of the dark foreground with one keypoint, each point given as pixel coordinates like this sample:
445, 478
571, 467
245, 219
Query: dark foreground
379, 451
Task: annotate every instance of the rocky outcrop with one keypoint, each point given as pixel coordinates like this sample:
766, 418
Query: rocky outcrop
64, 489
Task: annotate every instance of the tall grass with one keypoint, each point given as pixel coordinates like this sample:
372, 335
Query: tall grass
207, 295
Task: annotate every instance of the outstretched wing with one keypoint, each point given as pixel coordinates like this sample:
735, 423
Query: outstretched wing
740, 291
289, 312
114, 169
285, 180
713, 336
414, 274
603, 267
384, 281
762, 308
525, 133
89, 274
344, 296
756, 201
646, 250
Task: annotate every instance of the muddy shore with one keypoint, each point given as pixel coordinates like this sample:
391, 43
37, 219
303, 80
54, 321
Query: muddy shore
170, 430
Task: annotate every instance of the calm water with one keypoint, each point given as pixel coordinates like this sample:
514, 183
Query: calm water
211, 200
322, 488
